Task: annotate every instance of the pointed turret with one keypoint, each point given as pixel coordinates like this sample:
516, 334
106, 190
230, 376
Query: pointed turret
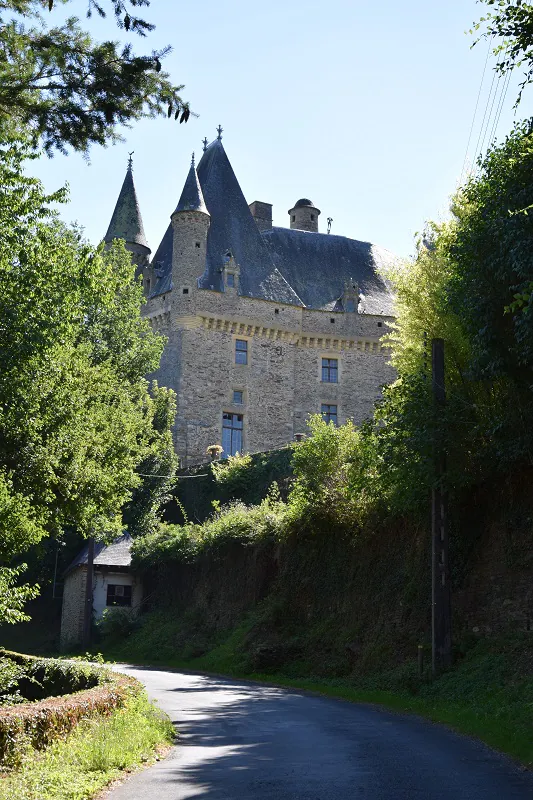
190, 224
192, 198
126, 222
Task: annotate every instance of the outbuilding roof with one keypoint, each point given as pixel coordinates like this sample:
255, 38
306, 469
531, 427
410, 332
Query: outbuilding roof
116, 554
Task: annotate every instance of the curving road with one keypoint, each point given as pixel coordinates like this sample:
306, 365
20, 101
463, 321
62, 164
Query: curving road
244, 741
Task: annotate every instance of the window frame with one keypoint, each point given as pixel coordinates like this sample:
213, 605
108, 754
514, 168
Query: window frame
328, 415
127, 595
328, 372
236, 433
241, 393
243, 351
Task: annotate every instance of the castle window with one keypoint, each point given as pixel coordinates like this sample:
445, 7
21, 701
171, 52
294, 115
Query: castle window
350, 305
329, 413
232, 425
312, 217
332, 319
147, 285
185, 291
380, 324
197, 244
294, 218
276, 311
330, 370
241, 351
230, 279
118, 595
237, 397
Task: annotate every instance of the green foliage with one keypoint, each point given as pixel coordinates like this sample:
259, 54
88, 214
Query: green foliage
243, 478
95, 753
66, 90
233, 523
510, 23
116, 623
232, 470
76, 414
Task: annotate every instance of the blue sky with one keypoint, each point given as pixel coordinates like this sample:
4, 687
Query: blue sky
363, 107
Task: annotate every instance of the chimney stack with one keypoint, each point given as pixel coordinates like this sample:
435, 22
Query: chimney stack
262, 213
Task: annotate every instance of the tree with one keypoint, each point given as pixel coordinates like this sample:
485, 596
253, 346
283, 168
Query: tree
69, 91
511, 23
76, 414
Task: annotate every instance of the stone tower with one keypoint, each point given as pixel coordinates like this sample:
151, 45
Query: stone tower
190, 224
126, 223
304, 216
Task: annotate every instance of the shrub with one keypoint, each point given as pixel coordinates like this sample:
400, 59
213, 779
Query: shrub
116, 623
36, 724
92, 755
235, 522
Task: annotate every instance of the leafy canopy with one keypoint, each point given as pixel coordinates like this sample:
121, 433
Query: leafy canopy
510, 22
67, 90
77, 417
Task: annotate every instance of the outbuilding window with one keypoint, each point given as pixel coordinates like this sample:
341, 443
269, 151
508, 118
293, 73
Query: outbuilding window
230, 279
118, 595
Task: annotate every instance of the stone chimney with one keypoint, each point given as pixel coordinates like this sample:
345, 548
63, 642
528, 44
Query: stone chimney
262, 213
304, 216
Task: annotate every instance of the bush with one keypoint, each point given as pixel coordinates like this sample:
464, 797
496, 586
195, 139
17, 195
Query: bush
36, 724
235, 522
116, 623
92, 755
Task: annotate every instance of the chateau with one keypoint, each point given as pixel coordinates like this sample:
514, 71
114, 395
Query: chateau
265, 325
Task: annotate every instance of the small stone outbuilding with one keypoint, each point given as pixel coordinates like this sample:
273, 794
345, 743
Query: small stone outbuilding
114, 584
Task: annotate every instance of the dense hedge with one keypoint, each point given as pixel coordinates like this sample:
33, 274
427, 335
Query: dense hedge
24, 677
36, 724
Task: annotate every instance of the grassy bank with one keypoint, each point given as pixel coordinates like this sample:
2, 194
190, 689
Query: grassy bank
488, 694
97, 752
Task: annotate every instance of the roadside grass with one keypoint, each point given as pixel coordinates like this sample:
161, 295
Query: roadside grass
97, 752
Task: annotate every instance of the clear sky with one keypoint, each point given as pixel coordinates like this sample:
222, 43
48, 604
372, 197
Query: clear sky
365, 108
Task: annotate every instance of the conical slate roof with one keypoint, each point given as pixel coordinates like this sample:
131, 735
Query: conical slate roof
283, 265
126, 222
192, 198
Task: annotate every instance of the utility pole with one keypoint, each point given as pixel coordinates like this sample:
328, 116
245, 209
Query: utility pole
88, 609
441, 613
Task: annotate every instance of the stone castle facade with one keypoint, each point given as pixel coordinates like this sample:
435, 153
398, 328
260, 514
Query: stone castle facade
265, 325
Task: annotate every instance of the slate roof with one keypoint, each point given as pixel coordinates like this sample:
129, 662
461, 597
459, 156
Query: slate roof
318, 265
283, 265
116, 554
126, 222
192, 198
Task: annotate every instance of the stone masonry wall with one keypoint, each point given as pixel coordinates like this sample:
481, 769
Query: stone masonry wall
281, 383
72, 610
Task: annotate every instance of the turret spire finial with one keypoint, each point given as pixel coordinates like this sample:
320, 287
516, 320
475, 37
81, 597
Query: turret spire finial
192, 160
205, 143
219, 131
130, 160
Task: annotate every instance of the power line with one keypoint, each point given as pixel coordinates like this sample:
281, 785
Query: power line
485, 125
499, 107
475, 109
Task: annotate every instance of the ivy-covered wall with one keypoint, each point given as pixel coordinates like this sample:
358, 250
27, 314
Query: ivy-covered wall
198, 488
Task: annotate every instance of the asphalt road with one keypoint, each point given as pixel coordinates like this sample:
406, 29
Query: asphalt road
242, 741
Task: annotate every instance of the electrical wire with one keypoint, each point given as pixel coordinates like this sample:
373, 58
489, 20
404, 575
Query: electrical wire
480, 148
476, 107
499, 107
